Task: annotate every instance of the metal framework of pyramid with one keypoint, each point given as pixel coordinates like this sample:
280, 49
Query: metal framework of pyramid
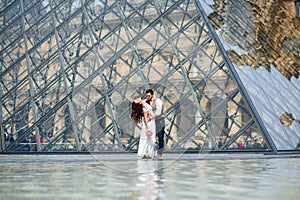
70, 70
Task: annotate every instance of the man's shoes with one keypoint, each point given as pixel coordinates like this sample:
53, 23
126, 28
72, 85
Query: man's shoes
158, 157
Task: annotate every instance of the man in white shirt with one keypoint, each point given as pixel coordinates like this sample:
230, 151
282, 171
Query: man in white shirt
157, 106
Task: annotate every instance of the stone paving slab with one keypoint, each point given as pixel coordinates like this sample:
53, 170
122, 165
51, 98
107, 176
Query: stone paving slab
7, 158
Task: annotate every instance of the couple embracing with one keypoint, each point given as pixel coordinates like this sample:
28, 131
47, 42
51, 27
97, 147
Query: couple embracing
149, 113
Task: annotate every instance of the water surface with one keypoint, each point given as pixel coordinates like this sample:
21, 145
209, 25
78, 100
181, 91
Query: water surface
149, 179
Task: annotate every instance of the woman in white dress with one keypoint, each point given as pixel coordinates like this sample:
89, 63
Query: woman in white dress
141, 112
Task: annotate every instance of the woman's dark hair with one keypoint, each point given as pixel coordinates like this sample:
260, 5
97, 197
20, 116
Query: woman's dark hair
136, 112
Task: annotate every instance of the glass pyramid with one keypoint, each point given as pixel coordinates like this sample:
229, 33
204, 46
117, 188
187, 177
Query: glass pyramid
70, 70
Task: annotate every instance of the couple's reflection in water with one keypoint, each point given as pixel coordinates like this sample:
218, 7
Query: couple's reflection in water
150, 182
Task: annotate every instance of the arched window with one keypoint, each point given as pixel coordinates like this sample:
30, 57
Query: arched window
297, 6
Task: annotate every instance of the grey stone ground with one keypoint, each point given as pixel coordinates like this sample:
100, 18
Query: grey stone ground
7, 158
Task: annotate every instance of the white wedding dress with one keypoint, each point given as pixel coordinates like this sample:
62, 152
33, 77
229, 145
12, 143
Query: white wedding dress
147, 144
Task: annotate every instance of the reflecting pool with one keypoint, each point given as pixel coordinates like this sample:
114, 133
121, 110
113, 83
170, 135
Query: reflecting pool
277, 178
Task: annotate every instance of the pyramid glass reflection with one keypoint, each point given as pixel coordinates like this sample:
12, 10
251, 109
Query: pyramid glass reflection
70, 70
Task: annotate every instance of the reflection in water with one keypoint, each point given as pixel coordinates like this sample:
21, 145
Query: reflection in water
150, 179
147, 178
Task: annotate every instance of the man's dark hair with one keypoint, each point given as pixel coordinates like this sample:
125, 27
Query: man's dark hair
149, 91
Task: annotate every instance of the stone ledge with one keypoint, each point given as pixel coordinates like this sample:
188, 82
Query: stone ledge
116, 157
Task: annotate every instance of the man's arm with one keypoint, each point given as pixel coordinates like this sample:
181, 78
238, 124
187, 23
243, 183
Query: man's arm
159, 107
